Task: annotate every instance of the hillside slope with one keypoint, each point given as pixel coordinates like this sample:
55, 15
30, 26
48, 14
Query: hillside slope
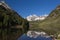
12, 25
51, 24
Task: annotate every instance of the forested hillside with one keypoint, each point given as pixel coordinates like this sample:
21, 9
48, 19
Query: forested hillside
12, 25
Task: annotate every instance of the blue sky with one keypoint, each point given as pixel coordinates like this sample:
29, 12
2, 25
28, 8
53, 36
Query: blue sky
29, 7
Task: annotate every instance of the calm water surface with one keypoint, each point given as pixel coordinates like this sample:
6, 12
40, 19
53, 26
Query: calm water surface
25, 37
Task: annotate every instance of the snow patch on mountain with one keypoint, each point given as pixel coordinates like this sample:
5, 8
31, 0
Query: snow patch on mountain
35, 17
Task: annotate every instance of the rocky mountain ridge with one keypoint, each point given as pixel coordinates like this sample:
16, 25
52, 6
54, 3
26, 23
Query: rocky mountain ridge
2, 3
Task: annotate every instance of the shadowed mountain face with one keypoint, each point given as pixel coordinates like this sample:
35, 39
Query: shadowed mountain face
51, 24
12, 25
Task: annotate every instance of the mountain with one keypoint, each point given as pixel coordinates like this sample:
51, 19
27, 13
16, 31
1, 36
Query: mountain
35, 17
12, 25
4, 4
50, 25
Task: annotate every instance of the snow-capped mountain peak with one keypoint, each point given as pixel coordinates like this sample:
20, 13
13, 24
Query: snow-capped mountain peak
35, 17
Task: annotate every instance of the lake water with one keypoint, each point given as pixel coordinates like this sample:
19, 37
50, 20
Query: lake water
25, 37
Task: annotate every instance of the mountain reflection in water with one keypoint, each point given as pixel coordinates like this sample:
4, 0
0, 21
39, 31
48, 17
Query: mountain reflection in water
25, 37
